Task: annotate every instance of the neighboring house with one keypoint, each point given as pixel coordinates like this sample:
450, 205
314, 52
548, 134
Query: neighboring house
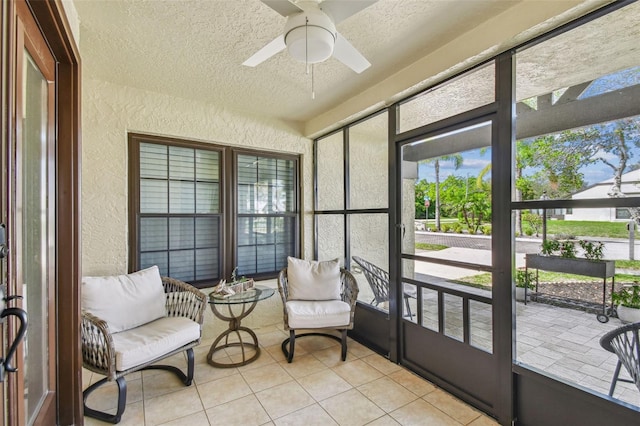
630, 187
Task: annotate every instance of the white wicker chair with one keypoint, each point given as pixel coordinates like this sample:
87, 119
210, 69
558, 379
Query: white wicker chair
348, 295
99, 352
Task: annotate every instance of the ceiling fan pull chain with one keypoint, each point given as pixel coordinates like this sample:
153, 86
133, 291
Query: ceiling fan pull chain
313, 89
306, 43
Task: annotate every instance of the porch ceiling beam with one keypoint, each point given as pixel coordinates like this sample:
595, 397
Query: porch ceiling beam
566, 113
468, 139
584, 112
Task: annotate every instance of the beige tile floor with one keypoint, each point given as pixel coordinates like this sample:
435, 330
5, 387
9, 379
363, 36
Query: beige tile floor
317, 388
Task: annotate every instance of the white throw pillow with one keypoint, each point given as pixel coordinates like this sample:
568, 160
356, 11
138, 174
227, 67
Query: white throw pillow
312, 280
125, 301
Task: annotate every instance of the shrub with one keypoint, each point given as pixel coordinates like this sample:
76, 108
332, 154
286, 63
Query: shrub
486, 229
521, 279
568, 249
534, 220
628, 296
592, 250
549, 247
528, 232
446, 227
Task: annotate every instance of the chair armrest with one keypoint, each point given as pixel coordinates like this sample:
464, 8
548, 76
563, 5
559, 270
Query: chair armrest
98, 351
184, 300
350, 288
283, 289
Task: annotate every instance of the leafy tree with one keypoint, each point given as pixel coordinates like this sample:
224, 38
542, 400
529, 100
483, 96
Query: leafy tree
615, 139
476, 208
534, 220
558, 160
424, 190
462, 198
452, 195
457, 160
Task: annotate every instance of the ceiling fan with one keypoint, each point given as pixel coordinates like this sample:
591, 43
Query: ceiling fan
310, 33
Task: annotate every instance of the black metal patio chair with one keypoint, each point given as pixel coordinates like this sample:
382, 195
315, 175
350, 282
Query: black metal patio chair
625, 343
378, 279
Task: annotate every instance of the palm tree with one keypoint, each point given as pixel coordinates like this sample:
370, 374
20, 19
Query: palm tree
457, 163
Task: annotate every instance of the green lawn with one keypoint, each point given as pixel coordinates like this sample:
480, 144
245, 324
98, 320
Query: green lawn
484, 280
628, 264
585, 228
427, 246
576, 228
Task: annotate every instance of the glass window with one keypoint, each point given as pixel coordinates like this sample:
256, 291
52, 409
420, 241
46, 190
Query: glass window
578, 138
267, 216
358, 226
471, 90
178, 219
330, 172
578, 120
331, 237
369, 243
368, 163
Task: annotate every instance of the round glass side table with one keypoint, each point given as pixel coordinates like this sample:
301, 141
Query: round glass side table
248, 299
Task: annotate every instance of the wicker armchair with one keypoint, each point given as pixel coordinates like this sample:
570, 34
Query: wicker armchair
349, 295
625, 343
100, 352
378, 279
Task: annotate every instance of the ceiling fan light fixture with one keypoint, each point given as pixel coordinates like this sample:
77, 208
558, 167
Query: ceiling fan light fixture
310, 34
310, 44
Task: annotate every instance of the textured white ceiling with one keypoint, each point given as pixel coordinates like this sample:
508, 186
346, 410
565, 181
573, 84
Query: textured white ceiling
194, 49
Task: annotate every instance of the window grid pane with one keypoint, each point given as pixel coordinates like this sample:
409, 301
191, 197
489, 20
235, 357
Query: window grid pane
265, 192
180, 181
180, 211
153, 161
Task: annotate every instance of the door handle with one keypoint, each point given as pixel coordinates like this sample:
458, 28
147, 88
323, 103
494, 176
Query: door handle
5, 363
21, 314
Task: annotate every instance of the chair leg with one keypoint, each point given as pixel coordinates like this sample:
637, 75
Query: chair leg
122, 389
100, 415
190, 367
344, 344
292, 345
187, 379
291, 341
615, 378
406, 303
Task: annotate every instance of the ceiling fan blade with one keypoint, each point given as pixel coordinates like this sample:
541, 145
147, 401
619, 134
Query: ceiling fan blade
349, 55
275, 46
340, 10
283, 7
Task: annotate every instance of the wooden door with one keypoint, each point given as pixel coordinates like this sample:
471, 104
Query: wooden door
31, 391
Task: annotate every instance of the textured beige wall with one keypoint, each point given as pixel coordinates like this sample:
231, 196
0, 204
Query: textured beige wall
110, 111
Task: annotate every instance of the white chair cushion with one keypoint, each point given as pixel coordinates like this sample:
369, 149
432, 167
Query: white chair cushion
312, 280
318, 314
152, 340
125, 301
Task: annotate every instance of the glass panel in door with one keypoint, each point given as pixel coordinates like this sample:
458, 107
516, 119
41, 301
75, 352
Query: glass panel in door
446, 268
35, 235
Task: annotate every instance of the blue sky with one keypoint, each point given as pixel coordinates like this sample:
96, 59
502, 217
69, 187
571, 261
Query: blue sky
474, 162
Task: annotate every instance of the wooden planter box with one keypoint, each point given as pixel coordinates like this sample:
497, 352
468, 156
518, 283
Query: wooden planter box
591, 268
